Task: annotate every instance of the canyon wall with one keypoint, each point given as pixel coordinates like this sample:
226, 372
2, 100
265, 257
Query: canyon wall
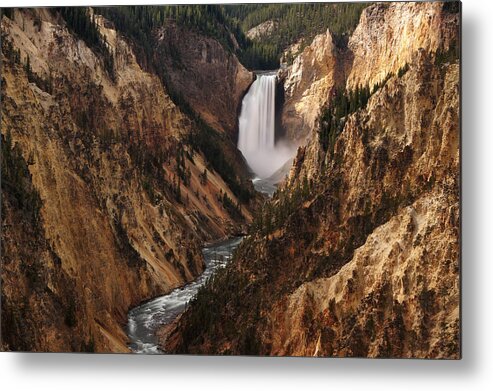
125, 200
397, 219
389, 34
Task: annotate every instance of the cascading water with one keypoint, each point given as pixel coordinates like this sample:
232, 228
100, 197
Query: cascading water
257, 128
257, 131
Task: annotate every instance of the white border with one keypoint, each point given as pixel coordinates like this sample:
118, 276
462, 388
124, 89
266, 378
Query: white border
473, 372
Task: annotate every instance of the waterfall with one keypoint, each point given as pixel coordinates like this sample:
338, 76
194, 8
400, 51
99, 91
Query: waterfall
257, 129
256, 139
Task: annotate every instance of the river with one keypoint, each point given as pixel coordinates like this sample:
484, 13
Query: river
144, 320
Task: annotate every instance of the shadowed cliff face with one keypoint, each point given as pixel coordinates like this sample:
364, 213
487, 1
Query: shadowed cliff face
210, 79
366, 262
124, 202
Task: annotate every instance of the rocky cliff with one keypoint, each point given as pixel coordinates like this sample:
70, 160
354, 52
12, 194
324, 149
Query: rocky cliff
308, 83
125, 199
358, 254
389, 34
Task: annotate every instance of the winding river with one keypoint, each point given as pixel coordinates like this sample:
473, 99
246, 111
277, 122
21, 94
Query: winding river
144, 320
270, 161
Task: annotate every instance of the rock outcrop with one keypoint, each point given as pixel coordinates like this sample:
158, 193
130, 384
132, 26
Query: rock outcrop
397, 297
125, 203
383, 42
263, 30
308, 83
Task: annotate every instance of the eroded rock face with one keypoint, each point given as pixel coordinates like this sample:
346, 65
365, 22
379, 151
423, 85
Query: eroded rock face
308, 84
209, 78
398, 294
104, 159
388, 35
384, 41
397, 297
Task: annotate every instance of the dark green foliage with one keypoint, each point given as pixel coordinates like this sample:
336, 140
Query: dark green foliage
232, 209
208, 141
380, 84
294, 22
124, 245
16, 180
8, 12
182, 171
297, 20
8, 49
150, 162
332, 118
449, 56
32, 77
403, 70
207, 306
227, 23
149, 189
79, 22
140, 22
260, 55
176, 188
135, 22
273, 215
203, 177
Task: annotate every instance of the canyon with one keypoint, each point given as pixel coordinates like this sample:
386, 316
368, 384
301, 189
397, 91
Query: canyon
129, 162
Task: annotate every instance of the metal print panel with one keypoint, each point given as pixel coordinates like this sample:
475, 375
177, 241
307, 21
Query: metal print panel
261, 179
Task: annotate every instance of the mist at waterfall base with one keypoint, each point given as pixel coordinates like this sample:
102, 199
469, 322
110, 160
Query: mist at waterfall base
256, 139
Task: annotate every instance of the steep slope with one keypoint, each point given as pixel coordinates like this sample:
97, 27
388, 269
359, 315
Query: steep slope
31, 271
397, 297
358, 254
125, 199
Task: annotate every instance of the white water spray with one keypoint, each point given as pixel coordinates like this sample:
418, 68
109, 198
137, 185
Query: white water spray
257, 128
